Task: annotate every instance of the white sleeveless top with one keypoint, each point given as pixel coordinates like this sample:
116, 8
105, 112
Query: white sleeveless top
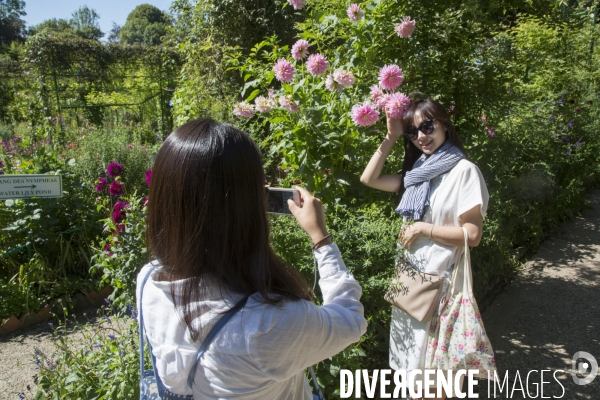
451, 194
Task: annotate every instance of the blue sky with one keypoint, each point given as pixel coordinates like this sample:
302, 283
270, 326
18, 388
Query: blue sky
109, 10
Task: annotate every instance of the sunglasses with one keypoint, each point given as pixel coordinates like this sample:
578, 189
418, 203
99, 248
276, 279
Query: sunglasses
427, 127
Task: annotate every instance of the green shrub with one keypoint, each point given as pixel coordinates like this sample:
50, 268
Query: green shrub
98, 147
45, 241
104, 363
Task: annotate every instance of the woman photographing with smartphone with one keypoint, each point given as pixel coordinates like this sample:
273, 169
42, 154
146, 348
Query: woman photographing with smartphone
441, 192
208, 233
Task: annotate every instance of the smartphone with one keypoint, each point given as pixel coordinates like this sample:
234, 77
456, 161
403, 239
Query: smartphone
277, 200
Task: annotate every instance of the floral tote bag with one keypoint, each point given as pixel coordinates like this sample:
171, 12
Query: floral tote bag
457, 338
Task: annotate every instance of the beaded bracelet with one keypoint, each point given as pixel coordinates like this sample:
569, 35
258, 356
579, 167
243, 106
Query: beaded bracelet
316, 245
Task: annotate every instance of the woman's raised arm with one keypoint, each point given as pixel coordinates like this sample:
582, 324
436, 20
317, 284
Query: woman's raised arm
371, 176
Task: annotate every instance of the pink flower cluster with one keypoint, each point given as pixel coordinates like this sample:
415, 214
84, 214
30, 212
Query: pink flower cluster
394, 103
297, 4
397, 104
344, 77
288, 103
284, 70
405, 28
300, 49
355, 13
263, 104
332, 85
316, 64
243, 110
390, 77
364, 114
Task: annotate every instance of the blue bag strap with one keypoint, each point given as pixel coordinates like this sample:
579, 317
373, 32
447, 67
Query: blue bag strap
319, 395
211, 335
141, 323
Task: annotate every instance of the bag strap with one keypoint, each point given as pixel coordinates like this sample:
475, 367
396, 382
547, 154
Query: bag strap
209, 338
320, 394
211, 335
465, 262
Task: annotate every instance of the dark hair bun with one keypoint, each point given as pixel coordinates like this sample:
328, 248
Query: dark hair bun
416, 96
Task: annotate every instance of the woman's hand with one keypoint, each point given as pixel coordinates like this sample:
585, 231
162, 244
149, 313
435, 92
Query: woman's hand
395, 127
410, 232
310, 215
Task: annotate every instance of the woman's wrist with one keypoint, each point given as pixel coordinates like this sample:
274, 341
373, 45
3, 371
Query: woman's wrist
323, 242
393, 137
318, 235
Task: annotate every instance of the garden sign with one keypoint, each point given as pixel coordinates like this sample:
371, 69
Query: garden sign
25, 186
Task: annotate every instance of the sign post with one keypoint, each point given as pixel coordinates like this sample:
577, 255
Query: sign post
25, 186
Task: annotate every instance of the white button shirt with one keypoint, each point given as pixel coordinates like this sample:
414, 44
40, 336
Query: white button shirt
263, 351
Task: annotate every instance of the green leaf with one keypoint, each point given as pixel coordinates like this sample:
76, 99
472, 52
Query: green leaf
254, 93
249, 85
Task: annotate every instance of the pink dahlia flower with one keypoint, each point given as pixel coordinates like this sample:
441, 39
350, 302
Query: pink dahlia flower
332, 85
297, 4
343, 77
114, 169
148, 177
355, 13
364, 114
284, 70
316, 64
300, 49
378, 97
101, 184
263, 104
390, 77
116, 189
405, 28
287, 103
243, 109
397, 104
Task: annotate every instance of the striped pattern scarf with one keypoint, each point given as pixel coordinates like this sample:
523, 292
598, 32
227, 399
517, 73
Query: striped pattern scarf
416, 197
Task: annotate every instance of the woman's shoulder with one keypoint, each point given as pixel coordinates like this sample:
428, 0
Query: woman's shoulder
463, 167
147, 268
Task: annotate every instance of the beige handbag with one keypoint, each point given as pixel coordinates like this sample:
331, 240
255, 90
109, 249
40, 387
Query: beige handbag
413, 291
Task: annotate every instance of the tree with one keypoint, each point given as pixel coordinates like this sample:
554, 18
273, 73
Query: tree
12, 27
145, 25
53, 26
113, 35
85, 23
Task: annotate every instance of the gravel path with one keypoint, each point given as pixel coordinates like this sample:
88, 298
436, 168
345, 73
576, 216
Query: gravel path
548, 313
551, 311
18, 369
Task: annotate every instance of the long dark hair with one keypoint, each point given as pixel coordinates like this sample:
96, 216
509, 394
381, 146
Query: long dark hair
207, 222
429, 109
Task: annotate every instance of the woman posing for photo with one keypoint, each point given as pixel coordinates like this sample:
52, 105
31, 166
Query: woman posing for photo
441, 191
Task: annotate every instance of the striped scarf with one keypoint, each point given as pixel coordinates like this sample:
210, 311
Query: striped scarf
416, 197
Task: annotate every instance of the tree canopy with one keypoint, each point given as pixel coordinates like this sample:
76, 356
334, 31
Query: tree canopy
83, 24
12, 27
145, 25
